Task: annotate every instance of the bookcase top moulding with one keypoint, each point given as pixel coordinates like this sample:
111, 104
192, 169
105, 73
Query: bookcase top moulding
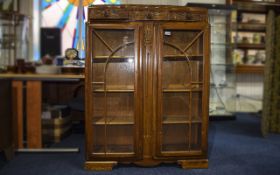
144, 12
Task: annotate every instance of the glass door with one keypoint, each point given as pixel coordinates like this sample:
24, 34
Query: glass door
115, 99
182, 89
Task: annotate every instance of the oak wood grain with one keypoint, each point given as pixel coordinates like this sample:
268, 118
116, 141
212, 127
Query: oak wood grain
147, 83
33, 114
17, 91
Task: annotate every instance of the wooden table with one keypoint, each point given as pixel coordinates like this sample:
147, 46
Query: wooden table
33, 108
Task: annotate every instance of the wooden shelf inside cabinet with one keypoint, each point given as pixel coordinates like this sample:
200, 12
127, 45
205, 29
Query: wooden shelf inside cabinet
247, 6
254, 69
250, 27
184, 88
114, 120
115, 88
249, 9
103, 59
250, 46
178, 120
182, 57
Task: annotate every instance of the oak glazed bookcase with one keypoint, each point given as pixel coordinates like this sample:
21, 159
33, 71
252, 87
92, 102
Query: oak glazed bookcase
147, 86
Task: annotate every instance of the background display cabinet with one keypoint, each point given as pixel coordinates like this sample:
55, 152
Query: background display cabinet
250, 22
13, 38
147, 86
223, 81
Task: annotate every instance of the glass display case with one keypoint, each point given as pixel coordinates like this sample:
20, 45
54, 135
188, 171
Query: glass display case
222, 75
223, 88
13, 38
250, 53
222, 91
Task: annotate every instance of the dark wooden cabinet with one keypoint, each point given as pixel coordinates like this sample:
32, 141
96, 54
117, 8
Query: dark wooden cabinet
147, 86
6, 118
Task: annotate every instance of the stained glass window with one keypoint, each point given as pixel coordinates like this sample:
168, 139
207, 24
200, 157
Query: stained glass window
64, 14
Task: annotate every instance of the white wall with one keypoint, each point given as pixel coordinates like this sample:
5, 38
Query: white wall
249, 88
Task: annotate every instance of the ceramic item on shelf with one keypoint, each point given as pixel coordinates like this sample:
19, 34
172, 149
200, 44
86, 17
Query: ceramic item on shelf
59, 61
72, 54
250, 59
47, 59
259, 57
256, 38
245, 39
